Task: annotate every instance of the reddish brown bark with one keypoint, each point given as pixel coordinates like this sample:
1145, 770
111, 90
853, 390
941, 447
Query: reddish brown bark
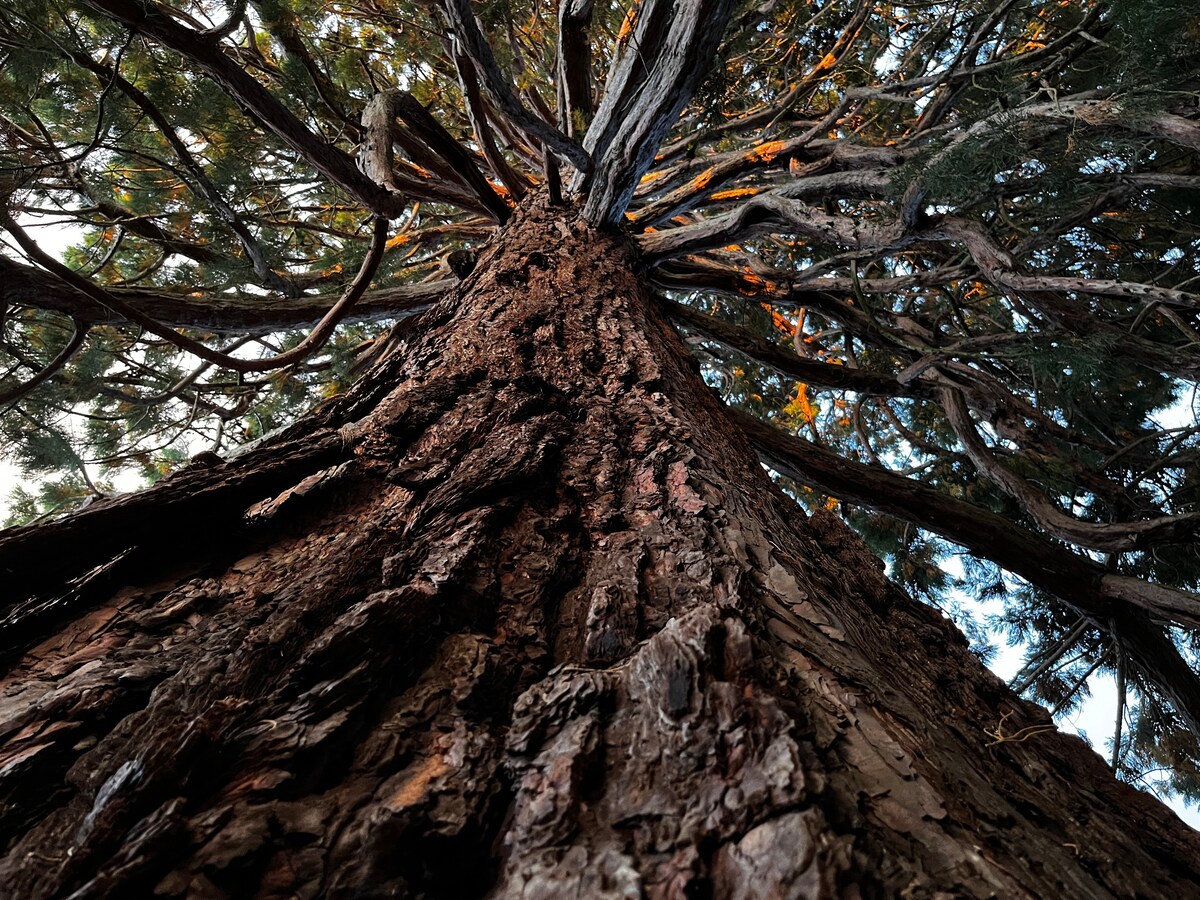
522, 616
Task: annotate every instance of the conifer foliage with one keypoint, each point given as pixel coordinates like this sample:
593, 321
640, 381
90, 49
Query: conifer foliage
941, 261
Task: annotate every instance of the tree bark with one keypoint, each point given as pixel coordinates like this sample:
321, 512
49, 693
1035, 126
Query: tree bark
521, 616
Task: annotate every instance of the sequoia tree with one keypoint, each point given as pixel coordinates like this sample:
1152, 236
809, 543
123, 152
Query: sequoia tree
591, 297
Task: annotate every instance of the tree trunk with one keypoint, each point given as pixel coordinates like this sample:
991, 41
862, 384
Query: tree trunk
522, 616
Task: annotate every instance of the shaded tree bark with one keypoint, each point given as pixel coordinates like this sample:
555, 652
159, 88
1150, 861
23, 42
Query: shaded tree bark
522, 616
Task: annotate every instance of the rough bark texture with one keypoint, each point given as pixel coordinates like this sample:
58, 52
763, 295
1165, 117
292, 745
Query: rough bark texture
523, 617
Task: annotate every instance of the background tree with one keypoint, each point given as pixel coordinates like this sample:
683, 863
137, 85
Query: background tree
936, 260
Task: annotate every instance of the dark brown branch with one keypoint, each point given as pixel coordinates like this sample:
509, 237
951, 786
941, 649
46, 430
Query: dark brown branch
199, 503
1113, 537
283, 28
441, 142
789, 364
78, 335
104, 298
477, 115
774, 212
26, 286
574, 64
350, 296
773, 286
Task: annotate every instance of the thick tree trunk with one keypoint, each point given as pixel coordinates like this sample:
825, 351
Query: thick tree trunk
522, 616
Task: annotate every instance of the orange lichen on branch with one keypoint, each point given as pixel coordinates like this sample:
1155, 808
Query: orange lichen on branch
735, 193
751, 285
398, 241
780, 321
628, 24
800, 407
766, 152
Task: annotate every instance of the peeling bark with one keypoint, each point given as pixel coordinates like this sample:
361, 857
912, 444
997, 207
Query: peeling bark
670, 50
521, 616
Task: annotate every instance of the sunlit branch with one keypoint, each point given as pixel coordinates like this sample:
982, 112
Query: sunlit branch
828, 61
774, 212
789, 364
811, 180
773, 286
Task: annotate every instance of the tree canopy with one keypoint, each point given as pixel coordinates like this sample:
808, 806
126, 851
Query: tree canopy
940, 259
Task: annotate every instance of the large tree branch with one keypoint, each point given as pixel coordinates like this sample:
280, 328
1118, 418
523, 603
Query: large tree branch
775, 212
282, 26
22, 285
477, 115
573, 64
378, 116
475, 46
1087, 111
775, 286
789, 364
206, 54
816, 182
320, 333
670, 50
999, 266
